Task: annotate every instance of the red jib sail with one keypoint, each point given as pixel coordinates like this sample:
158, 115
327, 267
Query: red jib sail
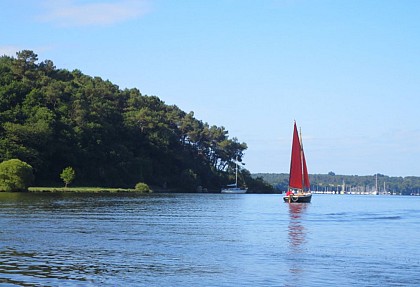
306, 182
298, 177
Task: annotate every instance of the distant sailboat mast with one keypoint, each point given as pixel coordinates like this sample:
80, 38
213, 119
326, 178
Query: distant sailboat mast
236, 172
376, 191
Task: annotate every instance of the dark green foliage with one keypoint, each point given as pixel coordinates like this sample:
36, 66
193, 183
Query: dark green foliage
15, 175
258, 185
189, 180
53, 118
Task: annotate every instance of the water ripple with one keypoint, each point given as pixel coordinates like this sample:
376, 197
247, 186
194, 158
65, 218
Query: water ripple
207, 240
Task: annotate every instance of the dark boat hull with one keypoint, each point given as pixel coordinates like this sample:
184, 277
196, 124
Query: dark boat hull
301, 198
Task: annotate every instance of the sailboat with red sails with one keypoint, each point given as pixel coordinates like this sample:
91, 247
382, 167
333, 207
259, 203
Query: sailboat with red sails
299, 186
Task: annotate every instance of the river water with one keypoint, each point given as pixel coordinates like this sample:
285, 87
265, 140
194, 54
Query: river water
208, 240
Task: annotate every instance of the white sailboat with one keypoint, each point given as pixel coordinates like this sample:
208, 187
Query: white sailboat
234, 188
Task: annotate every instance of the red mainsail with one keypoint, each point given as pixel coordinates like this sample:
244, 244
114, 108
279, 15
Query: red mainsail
298, 177
295, 175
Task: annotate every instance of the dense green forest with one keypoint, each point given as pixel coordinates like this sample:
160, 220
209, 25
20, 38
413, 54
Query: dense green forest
54, 118
332, 182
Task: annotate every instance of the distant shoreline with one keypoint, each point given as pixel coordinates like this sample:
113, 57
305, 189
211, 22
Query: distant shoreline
82, 190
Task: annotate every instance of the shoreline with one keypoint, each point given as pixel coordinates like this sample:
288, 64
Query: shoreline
83, 190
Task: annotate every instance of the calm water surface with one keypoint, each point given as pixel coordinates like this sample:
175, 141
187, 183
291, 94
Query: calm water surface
208, 240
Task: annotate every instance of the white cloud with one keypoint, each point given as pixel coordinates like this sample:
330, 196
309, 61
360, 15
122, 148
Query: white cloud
70, 13
9, 50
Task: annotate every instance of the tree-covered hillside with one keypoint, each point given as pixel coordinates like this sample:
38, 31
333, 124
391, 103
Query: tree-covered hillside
54, 118
332, 182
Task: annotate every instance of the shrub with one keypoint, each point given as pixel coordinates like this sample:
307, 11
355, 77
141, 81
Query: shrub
142, 187
68, 175
15, 175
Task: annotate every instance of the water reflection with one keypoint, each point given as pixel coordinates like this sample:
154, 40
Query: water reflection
29, 268
297, 240
296, 230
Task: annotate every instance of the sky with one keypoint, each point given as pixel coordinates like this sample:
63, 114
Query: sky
348, 71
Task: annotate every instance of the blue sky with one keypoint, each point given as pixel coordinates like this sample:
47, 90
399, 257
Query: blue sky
347, 71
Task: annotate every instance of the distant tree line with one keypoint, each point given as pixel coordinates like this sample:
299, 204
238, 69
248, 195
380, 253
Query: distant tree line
54, 118
332, 182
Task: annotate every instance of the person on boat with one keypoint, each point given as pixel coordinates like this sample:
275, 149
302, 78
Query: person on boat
289, 193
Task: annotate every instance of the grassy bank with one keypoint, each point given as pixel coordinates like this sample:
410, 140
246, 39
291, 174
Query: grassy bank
83, 189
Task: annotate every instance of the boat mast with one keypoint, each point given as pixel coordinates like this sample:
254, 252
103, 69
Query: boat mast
236, 172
